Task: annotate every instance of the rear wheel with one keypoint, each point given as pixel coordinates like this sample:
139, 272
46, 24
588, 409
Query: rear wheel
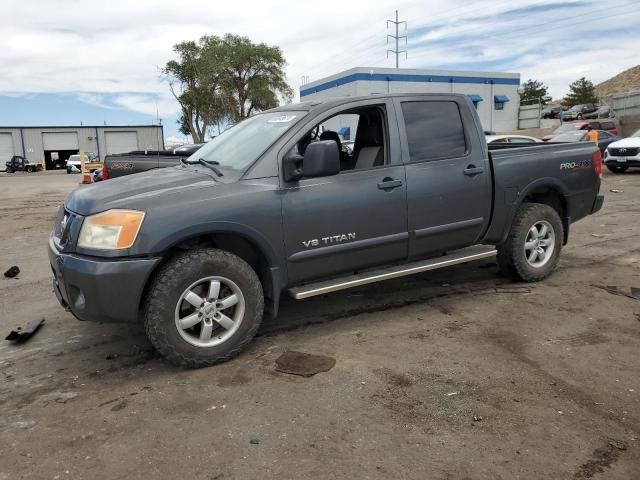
579, 117
203, 308
30, 169
533, 246
617, 168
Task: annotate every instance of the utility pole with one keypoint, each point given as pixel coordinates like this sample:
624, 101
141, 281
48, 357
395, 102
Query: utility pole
397, 38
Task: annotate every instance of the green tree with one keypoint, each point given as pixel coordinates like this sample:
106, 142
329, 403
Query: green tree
218, 81
254, 75
534, 91
581, 91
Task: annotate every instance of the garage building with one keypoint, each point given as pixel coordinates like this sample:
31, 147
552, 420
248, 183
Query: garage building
52, 146
495, 95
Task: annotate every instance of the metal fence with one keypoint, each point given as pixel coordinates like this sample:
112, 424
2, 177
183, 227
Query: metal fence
626, 107
529, 116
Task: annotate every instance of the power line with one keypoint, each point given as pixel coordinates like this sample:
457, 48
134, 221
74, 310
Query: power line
344, 60
397, 37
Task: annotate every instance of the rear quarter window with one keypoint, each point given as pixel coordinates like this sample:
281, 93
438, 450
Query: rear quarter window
434, 130
607, 125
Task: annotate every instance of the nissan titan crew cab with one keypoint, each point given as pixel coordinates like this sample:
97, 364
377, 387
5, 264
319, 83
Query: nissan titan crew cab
201, 251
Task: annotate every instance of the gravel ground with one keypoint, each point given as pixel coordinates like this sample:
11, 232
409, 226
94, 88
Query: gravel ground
453, 374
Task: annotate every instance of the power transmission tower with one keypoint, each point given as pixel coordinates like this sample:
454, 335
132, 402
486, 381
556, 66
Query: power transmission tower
397, 38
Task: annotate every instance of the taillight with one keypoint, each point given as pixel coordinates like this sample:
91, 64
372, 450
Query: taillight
596, 160
105, 172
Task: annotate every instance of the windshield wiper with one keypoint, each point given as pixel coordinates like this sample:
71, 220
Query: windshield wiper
211, 164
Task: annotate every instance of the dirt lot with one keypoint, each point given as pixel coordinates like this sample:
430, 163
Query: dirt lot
548, 370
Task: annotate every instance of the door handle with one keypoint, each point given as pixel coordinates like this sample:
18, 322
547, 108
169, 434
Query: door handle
389, 184
472, 170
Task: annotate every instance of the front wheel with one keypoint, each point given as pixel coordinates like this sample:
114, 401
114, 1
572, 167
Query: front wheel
579, 117
532, 249
617, 168
203, 308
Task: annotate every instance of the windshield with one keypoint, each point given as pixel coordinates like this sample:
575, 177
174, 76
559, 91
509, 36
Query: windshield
637, 134
569, 136
239, 146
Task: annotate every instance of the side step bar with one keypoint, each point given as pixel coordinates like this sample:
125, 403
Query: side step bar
372, 276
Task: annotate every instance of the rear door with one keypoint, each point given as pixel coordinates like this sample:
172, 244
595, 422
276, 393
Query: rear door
353, 220
448, 174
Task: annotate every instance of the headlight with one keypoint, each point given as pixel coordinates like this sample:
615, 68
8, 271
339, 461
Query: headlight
111, 230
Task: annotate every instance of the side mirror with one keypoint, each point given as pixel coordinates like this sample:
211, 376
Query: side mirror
321, 159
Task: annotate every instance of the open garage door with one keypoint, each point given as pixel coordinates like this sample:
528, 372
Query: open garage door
57, 141
121, 142
6, 148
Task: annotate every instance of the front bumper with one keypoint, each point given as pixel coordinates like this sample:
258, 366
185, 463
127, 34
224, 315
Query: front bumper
622, 161
102, 290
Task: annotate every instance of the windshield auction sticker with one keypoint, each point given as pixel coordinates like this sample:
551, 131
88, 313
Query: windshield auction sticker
282, 119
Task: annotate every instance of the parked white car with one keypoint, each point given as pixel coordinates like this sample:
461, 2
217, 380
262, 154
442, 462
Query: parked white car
623, 154
73, 163
512, 139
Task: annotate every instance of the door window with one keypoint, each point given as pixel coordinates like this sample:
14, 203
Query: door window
434, 130
366, 149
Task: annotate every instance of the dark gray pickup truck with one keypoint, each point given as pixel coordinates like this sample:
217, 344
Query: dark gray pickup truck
121, 164
199, 252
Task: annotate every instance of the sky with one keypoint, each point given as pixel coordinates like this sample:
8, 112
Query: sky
64, 62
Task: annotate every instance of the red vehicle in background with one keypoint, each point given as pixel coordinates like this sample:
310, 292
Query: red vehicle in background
606, 125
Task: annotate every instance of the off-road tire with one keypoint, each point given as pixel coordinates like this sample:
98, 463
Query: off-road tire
617, 168
511, 255
173, 278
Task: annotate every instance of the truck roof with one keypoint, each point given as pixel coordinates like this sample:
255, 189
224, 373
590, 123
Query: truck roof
337, 101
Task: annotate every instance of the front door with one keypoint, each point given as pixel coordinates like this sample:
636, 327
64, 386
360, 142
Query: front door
449, 192
356, 219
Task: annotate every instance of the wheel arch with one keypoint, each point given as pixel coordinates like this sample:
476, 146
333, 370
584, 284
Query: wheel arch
547, 191
240, 240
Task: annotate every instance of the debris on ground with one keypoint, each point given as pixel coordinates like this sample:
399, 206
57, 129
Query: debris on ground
632, 292
477, 418
303, 364
513, 290
451, 394
619, 444
12, 272
254, 441
615, 190
22, 334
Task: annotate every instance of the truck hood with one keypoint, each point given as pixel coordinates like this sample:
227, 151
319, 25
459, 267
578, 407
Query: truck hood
137, 191
631, 142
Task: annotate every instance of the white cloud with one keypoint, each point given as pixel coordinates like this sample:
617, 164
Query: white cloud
109, 53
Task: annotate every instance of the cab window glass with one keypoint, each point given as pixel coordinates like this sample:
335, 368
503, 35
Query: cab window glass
434, 130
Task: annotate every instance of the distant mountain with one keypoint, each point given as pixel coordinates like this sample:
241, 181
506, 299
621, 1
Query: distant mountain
626, 81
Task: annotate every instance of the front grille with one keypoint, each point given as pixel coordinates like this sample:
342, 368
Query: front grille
624, 152
62, 227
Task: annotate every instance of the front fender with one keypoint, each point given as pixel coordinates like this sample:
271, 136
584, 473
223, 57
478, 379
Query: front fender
209, 228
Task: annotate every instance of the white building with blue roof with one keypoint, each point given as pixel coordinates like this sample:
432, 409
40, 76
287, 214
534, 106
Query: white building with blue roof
494, 94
